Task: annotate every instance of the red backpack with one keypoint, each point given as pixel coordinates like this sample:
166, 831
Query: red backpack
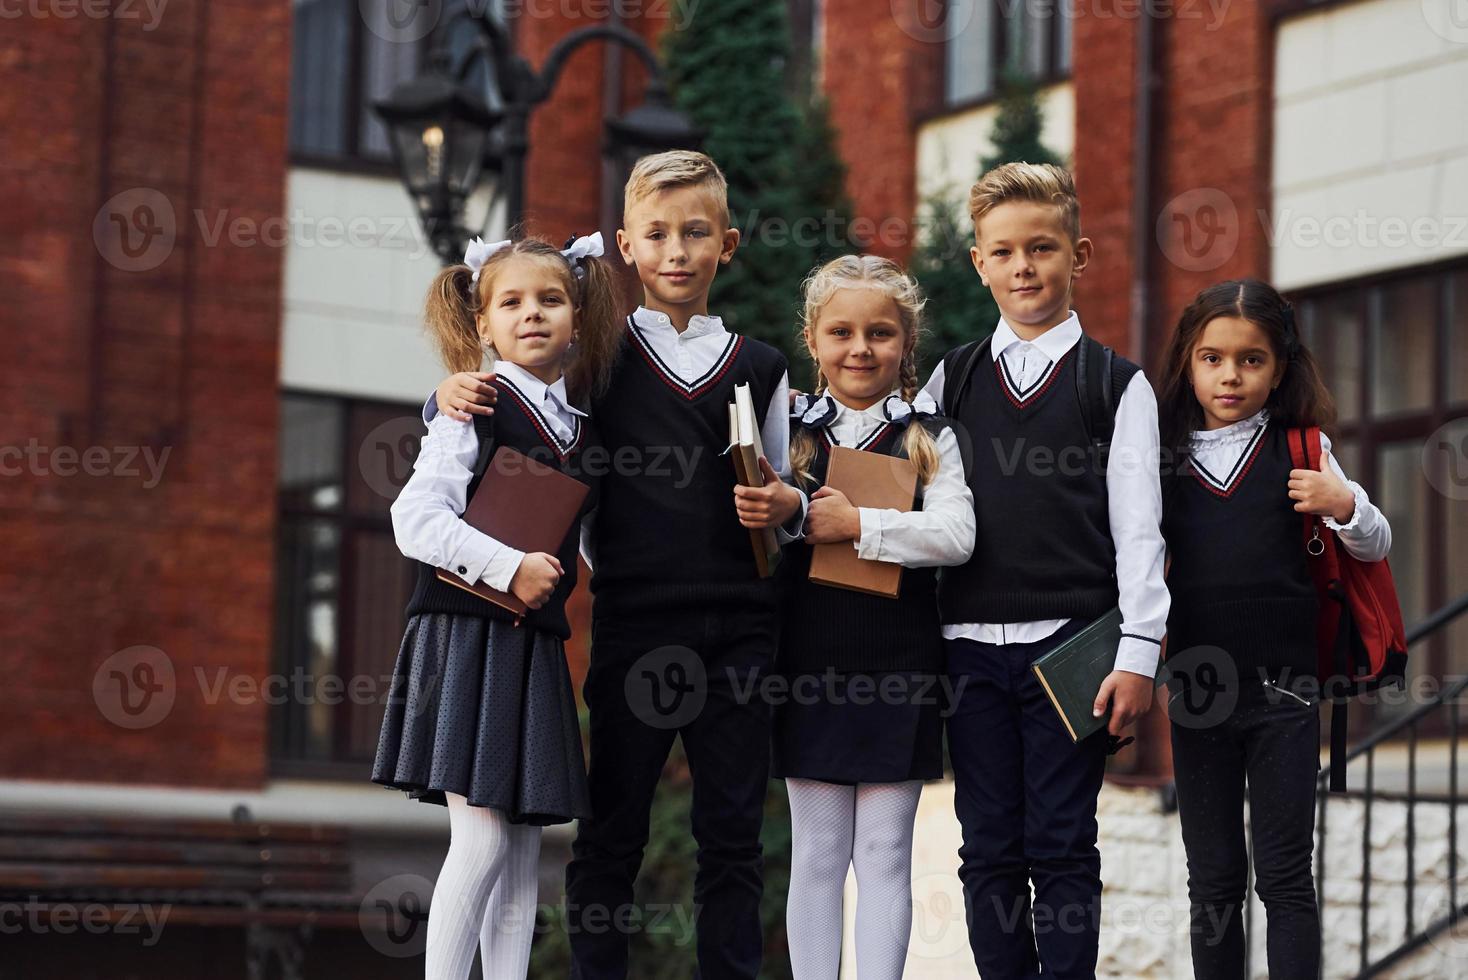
1362, 643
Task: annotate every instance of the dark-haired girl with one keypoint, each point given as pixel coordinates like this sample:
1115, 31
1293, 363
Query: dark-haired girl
1241, 631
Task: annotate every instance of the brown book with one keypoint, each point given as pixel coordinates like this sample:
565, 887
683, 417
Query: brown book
746, 449
524, 504
868, 480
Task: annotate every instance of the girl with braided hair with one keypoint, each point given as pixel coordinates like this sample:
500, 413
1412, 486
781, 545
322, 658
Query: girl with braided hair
862, 726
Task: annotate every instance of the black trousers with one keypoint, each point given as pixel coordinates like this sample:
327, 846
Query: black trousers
1271, 743
1025, 795
688, 673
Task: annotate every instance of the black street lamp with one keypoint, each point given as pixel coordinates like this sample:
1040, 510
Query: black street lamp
444, 132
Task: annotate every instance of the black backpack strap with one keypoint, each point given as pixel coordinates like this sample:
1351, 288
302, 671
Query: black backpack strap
1101, 376
958, 371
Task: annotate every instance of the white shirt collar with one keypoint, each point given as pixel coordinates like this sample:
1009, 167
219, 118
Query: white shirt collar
1240, 430
698, 324
535, 389
873, 411
1053, 343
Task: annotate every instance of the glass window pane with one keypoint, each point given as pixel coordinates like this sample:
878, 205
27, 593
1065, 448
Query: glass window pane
382, 444
385, 63
1451, 480
382, 580
969, 52
1062, 15
1402, 498
1027, 41
1458, 338
1403, 333
310, 453
306, 629
1331, 329
319, 61
1347, 452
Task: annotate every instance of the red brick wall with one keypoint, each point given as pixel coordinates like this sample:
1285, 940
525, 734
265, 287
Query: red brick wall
878, 64
180, 356
1103, 59
1215, 120
1210, 160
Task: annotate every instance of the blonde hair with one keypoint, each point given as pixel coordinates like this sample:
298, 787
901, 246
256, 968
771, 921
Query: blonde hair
676, 168
885, 276
455, 302
1043, 183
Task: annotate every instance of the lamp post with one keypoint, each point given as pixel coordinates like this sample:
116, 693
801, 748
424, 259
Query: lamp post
444, 129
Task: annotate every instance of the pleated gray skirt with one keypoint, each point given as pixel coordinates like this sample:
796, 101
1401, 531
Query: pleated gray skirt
484, 709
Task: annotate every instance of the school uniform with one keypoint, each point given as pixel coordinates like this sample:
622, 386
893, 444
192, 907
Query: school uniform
1241, 640
841, 650
479, 706
1060, 541
674, 577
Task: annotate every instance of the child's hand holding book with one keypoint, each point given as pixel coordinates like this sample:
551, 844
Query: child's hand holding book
536, 578
768, 506
831, 518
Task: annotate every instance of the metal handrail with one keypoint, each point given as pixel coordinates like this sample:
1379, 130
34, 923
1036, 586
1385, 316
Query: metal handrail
1434, 622
1413, 937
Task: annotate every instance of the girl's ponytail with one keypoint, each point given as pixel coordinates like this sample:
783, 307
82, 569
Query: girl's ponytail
450, 315
598, 329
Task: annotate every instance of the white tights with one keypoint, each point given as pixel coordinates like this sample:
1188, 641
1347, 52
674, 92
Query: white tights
834, 827
487, 892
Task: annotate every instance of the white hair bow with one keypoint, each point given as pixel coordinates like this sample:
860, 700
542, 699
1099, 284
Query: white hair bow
477, 252
585, 247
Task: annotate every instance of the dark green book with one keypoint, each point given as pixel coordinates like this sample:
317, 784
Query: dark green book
1072, 673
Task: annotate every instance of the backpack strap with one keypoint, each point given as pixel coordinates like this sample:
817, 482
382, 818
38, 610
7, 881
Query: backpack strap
1305, 453
958, 371
1100, 378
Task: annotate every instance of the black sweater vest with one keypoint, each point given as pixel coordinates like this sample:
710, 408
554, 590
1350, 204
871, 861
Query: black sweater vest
1043, 547
1238, 578
825, 628
519, 425
666, 534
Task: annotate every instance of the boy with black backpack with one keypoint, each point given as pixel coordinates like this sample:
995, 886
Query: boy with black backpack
1063, 449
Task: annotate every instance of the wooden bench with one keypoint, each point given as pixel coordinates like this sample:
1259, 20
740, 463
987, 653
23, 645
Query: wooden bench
209, 872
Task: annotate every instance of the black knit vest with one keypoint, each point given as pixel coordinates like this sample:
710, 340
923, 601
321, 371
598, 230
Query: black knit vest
823, 628
1043, 548
1239, 578
519, 425
667, 535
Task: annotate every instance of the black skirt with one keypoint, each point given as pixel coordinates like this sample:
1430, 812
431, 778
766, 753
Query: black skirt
486, 710
858, 734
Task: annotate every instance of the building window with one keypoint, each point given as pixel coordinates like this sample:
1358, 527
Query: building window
346, 55
988, 39
341, 584
1394, 353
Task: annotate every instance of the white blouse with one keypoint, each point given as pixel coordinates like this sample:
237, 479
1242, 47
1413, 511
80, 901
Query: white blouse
426, 517
942, 533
